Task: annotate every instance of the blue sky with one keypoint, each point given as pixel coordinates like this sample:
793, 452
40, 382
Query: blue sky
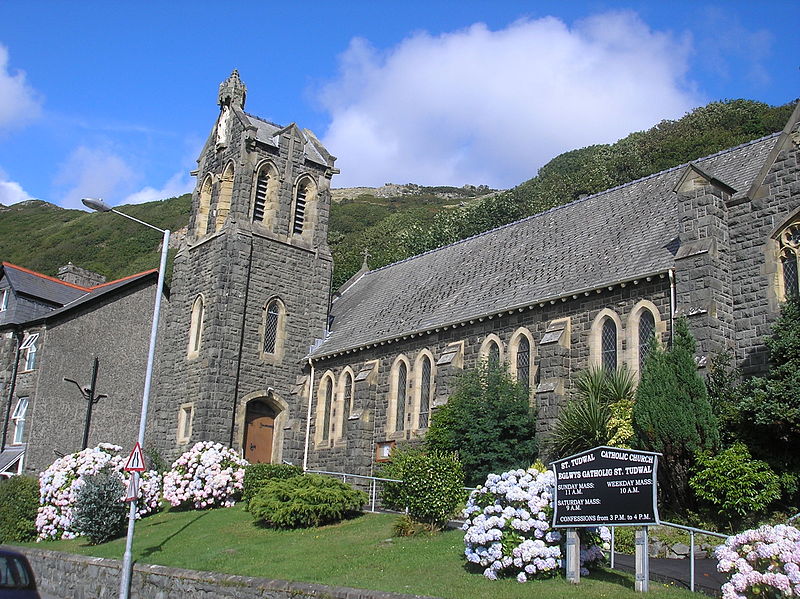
115, 99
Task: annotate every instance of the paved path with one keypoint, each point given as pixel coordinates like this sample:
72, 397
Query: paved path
706, 577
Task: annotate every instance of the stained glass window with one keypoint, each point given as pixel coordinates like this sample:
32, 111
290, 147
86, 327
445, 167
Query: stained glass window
425, 393
402, 385
494, 354
326, 406
271, 327
348, 400
790, 255
647, 330
524, 362
609, 345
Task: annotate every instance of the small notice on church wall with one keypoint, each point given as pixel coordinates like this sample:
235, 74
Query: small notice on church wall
606, 486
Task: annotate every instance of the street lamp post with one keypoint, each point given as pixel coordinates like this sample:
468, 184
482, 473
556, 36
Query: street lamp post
101, 206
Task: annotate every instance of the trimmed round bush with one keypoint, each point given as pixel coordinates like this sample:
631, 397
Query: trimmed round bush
508, 532
307, 500
59, 485
19, 501
432, 487
256, 476
208, 475
100, 512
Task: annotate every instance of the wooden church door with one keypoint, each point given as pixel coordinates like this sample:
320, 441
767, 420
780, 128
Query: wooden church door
259, 432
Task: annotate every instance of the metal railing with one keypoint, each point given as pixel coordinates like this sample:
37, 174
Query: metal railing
692, 532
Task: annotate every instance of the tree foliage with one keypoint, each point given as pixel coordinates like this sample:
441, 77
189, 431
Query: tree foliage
488, 421
100, 513
672, 414
19, 500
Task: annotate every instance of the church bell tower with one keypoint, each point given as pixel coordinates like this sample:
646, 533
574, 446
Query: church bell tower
250, 288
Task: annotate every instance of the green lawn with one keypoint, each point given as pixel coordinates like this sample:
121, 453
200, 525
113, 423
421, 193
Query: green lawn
357, 553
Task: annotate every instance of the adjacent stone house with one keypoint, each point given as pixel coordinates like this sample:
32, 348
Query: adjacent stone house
257, 353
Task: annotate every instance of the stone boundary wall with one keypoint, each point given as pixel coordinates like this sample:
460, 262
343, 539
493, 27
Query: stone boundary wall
69, 576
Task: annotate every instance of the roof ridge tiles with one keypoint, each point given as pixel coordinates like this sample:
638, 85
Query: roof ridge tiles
572, 203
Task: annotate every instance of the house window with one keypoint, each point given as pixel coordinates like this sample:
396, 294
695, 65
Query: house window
327, 408
608, 345
524, 363
3, 300
185, 419
647, 331
30, 349
18, 417
400, 395
425, 392
271, 321
196, 327
300, 210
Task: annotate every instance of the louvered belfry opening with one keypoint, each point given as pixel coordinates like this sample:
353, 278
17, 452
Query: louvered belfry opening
299, 211
262, 184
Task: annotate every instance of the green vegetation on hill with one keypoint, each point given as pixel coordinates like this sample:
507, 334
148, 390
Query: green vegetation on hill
41, 236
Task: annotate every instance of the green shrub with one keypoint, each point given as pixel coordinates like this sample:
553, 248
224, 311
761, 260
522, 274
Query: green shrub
256, 476
488, 421
581, 425
737, 488
100, 512
19, 500
406, 526
432, 487
302, 501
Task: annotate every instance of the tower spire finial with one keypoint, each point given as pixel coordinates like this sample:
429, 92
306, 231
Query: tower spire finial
232, 91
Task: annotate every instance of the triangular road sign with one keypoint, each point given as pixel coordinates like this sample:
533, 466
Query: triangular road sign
135, 461
132, 493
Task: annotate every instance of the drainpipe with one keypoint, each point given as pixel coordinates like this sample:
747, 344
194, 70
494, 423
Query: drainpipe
308, 415
672, 305
12, 389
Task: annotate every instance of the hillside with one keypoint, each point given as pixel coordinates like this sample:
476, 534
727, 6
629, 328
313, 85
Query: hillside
392, 222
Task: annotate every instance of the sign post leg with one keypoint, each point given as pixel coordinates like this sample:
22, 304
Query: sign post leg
573, 556
642, 583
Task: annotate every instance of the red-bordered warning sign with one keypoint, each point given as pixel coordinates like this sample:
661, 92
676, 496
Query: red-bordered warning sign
135, 461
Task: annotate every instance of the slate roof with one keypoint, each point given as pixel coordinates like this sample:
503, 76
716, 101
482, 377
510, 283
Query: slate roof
266, 132
41, 286
617, 235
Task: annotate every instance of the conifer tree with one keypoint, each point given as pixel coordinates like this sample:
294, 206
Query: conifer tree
672, 414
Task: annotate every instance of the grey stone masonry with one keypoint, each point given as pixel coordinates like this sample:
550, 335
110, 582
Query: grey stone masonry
68, 576
237, 262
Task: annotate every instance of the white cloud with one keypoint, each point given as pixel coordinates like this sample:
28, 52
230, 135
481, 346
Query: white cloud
11, 192
179, 184
19, 103
94, 173
480, 106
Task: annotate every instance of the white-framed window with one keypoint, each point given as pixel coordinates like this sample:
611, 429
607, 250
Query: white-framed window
30, 349
3, 300
18, 417
185, 419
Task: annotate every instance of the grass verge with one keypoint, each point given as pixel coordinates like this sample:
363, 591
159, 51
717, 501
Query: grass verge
358, 553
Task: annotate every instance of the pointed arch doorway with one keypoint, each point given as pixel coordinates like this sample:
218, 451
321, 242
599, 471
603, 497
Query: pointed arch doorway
259, 433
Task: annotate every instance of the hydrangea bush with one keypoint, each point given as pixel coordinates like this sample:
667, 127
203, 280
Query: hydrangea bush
508, 529
59, 485
207, 475
763, 562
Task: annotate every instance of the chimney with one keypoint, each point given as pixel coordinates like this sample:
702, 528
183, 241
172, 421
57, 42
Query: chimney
80, 276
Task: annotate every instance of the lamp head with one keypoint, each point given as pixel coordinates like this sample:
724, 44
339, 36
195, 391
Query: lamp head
96, 204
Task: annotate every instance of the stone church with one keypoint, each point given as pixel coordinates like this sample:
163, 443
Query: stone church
259, 354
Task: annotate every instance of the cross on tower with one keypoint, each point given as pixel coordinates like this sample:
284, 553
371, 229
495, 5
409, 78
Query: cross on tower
366, 255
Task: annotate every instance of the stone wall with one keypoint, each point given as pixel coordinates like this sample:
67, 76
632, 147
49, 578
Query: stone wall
68, 576
556, 362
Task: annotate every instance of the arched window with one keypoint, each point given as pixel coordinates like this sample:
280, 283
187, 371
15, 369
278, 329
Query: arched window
304, 213
401, 394
201, 222
789, 242
327, 408
299, 219
524, 362
265, 192
608, 345
271, 321
196, 327
348, 398
225, 195
491, 350
647, 331
425, 391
